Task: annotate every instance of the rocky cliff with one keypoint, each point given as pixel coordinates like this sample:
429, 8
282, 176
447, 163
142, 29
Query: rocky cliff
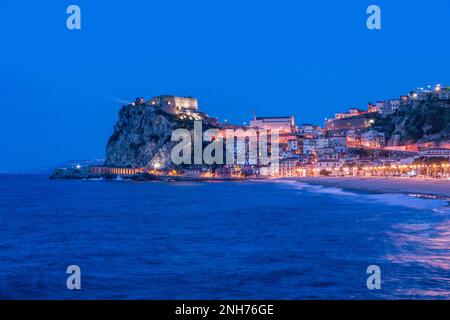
141, 137
423, 122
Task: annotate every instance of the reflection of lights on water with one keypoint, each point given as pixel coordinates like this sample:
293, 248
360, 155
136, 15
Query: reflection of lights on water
425, 244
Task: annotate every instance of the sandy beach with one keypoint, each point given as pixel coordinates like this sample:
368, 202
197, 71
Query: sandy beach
439, 188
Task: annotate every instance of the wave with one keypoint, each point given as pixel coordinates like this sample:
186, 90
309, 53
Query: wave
413, 201
404, 200
443, 210
331, 190
316, 188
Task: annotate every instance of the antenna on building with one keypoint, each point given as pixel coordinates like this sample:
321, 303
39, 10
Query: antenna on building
254, 114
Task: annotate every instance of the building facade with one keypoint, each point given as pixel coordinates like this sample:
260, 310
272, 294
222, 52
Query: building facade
175, 105
283, 124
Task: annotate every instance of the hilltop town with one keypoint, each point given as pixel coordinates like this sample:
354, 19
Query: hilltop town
405, 136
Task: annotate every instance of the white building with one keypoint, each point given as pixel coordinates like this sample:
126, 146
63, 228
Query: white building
288, 167
387, 107
175, 105
283, 124
309, 146
327, 164
373, 139
311, 131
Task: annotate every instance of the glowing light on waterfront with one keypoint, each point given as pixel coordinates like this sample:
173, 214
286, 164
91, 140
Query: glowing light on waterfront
156, 165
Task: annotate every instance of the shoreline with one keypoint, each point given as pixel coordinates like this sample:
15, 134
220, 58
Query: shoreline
425, 188
411, 186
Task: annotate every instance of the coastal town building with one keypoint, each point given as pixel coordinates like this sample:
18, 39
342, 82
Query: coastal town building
327, 164
351, 113
197, 171
311, 131
290, 167
373, 107
345, 145
175, 105
434, 153
283, 124
388, 107
373, 139
339, 126
267, 171
185, 108
293, 144
327, 154
309, 146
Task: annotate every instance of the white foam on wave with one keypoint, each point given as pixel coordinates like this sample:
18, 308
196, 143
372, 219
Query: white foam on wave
284, 181
408, 201
317, 188
331, 190
443, 210
392, 199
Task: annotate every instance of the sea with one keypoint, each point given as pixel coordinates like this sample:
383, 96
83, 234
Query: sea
273, 239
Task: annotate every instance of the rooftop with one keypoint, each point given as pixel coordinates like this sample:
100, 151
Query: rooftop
278, 117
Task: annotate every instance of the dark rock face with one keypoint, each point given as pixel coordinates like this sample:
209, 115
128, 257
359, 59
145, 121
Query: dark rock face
141, 137
71, 173
425, 121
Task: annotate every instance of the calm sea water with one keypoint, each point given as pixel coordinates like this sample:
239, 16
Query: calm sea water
252, 240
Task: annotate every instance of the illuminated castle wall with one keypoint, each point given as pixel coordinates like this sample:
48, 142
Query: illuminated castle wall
175, 105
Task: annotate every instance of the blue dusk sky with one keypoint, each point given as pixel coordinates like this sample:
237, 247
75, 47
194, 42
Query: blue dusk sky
61, 90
